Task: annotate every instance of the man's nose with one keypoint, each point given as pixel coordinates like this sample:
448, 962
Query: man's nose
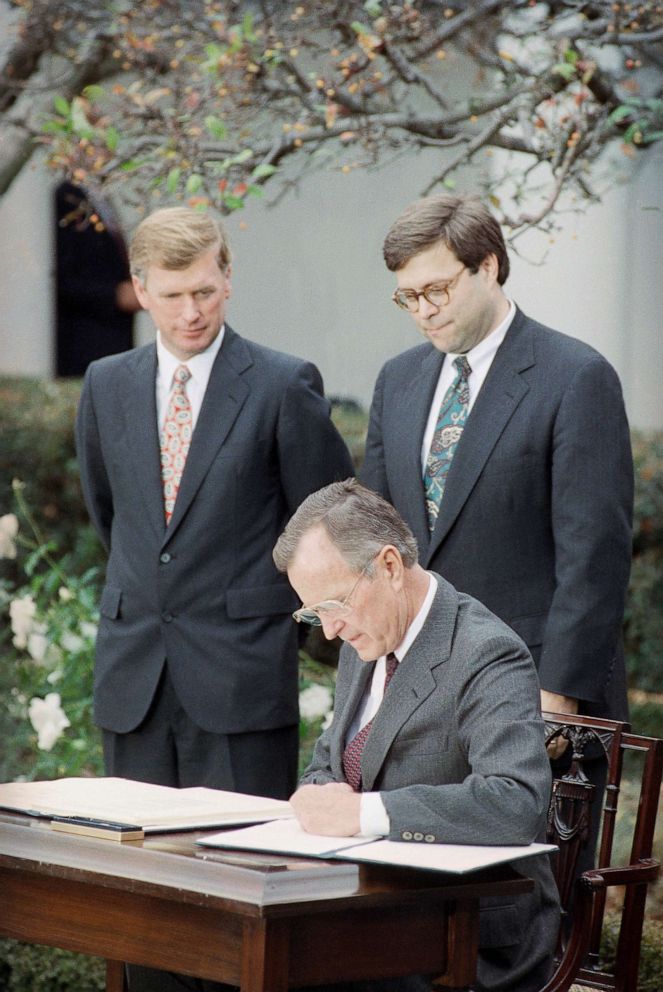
331, 627
426, 308
190, 309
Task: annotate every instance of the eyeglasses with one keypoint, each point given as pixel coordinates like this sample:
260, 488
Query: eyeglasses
330, 607
437, 294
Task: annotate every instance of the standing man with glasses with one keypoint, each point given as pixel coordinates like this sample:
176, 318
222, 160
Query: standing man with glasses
436, 736
505, 446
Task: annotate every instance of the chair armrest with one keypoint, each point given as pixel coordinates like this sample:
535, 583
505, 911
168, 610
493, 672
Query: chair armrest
588, 885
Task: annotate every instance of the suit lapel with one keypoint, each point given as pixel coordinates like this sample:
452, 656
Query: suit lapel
413, 681
140, 406
500, 395
224, 397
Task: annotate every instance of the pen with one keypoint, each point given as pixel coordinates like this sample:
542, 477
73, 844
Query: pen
89, 821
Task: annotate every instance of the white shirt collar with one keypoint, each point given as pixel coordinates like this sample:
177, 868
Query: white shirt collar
199, 365
487, 347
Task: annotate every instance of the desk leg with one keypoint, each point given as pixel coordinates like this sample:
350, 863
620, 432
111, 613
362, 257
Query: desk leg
115, 976
265, 956
463, 948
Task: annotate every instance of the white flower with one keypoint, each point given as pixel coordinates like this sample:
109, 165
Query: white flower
72, 642
22, 612
314, 702
65, 594
89, 629
37, 646
8, 532
54, 676
48, 719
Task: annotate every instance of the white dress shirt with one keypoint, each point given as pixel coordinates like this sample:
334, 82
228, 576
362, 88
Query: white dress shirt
480, 358
373, 816
200, 367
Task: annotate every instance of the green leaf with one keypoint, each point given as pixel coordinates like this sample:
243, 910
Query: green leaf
93, 92
263, 171
233, 202
243, 156
650, 136
570, 56
193, 183
565, 70
79, 121
252, 190
373, 7
112, 139
360, 28
216, 127
173, 179
130, 165
620, 113
54, 127
61, 105
449, 183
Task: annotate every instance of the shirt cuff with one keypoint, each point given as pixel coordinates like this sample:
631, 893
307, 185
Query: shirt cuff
373, 817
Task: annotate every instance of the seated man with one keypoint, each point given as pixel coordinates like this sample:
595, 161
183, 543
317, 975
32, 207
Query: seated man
454, 752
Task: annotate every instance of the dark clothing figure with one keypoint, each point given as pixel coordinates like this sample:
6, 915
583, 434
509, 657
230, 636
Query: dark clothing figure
91, 263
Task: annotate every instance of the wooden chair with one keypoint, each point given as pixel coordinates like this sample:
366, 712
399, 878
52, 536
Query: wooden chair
568, 827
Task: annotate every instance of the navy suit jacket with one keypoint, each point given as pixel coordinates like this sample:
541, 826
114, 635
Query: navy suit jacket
535, 521
204, 592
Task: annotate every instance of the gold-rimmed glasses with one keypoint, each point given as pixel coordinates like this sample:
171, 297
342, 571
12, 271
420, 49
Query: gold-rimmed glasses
331, 608
437, 294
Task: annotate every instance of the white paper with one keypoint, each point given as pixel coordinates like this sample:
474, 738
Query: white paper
282, 837
285, 836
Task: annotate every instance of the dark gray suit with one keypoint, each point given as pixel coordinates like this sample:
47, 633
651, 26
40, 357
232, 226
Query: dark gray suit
456, 751
536, 516
203, 593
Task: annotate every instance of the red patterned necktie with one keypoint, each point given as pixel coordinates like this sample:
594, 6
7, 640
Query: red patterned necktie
175, 439
353, 751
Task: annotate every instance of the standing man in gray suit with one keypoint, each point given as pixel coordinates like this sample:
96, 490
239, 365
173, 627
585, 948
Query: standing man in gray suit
437, 735
505, 446
194, 452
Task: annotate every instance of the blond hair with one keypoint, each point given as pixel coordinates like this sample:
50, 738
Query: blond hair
174, 238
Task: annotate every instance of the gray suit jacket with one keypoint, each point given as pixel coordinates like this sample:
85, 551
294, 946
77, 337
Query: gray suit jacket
204, 592
536, 516
457, 753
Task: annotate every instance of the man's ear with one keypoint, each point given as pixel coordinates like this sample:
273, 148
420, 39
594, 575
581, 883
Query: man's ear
228, 285
490, 266
392, 562
139, 290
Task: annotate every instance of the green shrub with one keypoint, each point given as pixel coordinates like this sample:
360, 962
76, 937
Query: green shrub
650, 978
32, 968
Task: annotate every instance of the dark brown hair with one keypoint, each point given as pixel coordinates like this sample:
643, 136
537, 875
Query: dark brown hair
463, 223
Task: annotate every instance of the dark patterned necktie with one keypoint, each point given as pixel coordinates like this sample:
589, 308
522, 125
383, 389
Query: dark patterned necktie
448, 430
175, 439
353, 751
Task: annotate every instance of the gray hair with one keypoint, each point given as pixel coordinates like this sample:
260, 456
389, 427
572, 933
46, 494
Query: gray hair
358, 522
462, 222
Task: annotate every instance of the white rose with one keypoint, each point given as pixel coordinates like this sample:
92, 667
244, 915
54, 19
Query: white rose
21, 613
65, 594
72, 642
48, 719
37, 646
89, 629
8, 532
314, 702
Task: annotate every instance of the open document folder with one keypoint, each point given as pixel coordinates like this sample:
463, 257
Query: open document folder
285, 836
155, 808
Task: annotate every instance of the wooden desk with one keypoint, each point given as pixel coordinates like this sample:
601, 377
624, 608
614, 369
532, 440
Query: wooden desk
168, 904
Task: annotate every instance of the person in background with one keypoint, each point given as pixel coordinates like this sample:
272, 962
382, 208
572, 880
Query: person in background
94, 297
194, 452
436, 736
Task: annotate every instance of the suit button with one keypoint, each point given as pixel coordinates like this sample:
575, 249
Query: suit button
167, 617
430, 838
418, 836
164, 558
407, 835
